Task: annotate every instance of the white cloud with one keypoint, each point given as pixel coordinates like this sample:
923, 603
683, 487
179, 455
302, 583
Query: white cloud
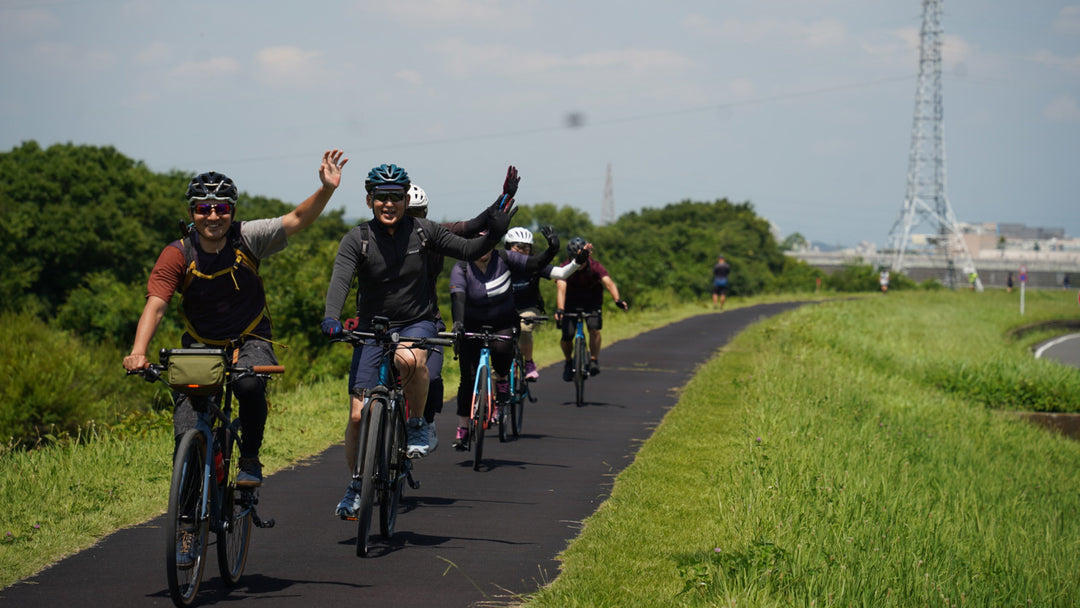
465, 58
442, 13
210, 67
824, 33
1062, 108
410, 77
1050, 59
290, 67
155, 53
1068, 21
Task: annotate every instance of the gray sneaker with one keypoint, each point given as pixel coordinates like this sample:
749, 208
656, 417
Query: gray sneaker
417, 438
250, 475
433, 437
351, 503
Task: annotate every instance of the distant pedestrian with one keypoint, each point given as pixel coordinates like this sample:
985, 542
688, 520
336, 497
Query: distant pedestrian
1009, 283
973, 277
720, 281
883, 279
1065, 282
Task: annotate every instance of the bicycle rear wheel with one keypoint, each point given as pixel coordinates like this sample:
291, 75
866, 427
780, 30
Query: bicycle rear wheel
185, 528
481, 413
234, 537
581, 360
368, 466
392, 487
518, 394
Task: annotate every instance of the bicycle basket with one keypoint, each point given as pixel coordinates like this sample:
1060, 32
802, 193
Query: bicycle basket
197, 371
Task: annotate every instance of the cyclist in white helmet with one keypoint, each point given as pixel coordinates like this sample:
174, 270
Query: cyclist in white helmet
526, 286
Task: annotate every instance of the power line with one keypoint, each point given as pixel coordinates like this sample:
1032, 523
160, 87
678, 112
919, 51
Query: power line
611, 121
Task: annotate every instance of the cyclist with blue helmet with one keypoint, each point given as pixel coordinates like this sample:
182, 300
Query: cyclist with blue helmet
388, 256
584, 292
223, 302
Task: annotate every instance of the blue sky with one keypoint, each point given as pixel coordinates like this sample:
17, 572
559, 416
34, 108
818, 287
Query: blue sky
802, 107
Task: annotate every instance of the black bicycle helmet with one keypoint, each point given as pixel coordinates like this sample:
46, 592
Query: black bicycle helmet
387, 176
211, 185
575, 246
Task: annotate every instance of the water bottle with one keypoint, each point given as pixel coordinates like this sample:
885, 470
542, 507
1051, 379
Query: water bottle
219, 466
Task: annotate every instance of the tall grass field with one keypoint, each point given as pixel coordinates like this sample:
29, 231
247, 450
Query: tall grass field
854, 453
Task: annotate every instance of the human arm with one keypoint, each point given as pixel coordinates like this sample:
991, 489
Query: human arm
345, 264
305, 213
152, 313
560, 300
609, 284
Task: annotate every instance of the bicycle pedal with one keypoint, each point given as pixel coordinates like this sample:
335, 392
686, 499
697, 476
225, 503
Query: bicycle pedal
348, 517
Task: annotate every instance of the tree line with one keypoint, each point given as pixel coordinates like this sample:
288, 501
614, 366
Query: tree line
81, 227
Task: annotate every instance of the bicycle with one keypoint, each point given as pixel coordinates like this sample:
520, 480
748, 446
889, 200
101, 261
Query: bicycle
203, 495
511, 418
580, 353
481, 414
383, 468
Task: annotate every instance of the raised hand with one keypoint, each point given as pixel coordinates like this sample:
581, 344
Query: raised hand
330, 170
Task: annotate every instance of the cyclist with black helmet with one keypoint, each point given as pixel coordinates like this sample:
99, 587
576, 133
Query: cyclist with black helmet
584, 292
388, 256
215, 269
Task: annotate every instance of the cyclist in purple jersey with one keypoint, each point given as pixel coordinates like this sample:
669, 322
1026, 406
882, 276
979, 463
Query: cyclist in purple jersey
480, 295
584, 292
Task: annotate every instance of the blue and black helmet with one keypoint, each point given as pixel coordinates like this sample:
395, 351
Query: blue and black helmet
211, 185
386, 176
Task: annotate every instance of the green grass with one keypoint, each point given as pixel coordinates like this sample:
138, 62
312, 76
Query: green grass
818, 461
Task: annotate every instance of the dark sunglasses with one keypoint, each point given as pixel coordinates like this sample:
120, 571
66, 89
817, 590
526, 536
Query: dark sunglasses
206, 208
392, 196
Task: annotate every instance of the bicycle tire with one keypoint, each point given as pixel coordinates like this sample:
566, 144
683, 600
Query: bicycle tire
368, 466
481, 413
234, 537
394, 439
185, 502
519, 393
581, 357
504, 414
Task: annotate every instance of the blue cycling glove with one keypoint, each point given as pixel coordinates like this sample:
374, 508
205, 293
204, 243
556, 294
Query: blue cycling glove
331, 326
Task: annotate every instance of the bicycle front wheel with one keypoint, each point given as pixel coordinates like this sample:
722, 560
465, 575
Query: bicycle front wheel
519, 393
581, 360
481, 413
369, 465
234, 537
392, 487
185, 527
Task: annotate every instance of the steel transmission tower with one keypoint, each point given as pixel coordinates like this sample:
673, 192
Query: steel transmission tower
925, 201
607, 211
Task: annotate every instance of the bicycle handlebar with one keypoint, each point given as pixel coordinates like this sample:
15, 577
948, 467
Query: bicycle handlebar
357, 338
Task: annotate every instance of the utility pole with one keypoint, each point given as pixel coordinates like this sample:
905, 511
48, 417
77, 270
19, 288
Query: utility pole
925, 201
607, 211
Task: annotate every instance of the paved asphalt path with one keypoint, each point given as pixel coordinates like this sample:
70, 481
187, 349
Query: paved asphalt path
1065, 349
464, 538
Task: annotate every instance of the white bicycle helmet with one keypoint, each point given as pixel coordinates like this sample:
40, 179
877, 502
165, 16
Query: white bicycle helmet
518, 235
417, 198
